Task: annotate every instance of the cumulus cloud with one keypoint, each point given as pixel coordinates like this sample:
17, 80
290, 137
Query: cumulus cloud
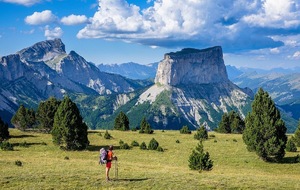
22, 2
234, 24
74, 19
53, 33
38, 18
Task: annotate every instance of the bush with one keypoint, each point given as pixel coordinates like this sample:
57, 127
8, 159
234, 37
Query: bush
185, 130
199, 160
212, 135
5, 145
177, 141
67, 158
160, 149
107, 135
201, 133
125, 146
18, 163
135, 143
291, 146
143, 146
153, 144
234, 140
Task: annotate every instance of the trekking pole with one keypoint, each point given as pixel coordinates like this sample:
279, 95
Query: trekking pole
116, 169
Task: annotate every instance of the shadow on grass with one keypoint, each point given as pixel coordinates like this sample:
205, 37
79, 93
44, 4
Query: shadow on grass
290, 160
134, 179
21, 136
97, 148
95, 132
25, 144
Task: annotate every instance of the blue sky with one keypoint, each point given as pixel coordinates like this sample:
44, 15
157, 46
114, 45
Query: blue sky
252, 33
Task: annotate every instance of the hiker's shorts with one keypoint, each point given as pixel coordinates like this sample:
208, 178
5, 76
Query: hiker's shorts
108, 164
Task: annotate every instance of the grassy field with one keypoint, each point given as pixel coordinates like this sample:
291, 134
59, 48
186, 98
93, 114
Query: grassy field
45, 166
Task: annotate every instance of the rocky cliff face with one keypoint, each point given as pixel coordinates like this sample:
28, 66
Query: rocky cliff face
45, 69
192, 87
192, 66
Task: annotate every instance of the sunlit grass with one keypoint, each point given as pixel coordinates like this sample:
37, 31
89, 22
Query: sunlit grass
45, 166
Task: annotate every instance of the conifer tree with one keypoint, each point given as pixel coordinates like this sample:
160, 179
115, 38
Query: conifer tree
4, 133
24, 118
231, 123
199, 160
201, 133
185, 130
297, 136
45, 113
264, 129
145, 127
121, 122
69, 131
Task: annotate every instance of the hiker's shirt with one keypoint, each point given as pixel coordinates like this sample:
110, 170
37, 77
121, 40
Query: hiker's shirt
109, 156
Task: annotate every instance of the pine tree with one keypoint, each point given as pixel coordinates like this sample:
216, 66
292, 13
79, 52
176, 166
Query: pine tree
224, 126
291, 146
231, 123
201, 133
121, 122
199, 160
153, 144
297, 135
185, 130
4, 133
145, 127
24, 118
69, 130
45, 113
264, 129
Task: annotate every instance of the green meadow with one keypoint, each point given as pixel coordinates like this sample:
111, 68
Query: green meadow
46, 166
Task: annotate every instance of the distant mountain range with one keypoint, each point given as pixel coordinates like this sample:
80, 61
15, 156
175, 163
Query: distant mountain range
183, 93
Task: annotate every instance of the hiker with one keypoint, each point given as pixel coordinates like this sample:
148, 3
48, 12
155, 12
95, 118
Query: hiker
110, 158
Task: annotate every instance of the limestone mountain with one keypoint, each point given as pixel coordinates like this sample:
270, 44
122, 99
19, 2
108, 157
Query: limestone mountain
45, 69
191, 88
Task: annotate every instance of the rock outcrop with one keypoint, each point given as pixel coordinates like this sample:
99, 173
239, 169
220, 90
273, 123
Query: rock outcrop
192, 66
192, 86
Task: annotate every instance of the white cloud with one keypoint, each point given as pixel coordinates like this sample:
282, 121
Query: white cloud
74, 19
234, 24
274, 50
296, 55
22, 2
44, 17
53, 33
276, 14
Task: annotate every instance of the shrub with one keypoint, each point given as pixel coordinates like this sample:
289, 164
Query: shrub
177, 141
201, 133
124, 146
185, 130
135, 143
5, 145
67, 158
153, 144
291, 146
234, 140
18, 163
143, 146
199, 160
107, 135
160, 149
212, 135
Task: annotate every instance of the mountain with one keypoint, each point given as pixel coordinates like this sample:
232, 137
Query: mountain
191, 88
45, 69
131, 70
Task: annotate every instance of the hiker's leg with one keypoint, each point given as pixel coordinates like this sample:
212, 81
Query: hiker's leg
107, 173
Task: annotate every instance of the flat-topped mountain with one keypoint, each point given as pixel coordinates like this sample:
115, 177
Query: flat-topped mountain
192, 66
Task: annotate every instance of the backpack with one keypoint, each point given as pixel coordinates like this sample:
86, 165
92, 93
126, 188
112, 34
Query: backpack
103, 156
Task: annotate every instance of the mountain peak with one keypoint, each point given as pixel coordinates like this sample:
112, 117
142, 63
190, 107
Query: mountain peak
192, 66
43, 51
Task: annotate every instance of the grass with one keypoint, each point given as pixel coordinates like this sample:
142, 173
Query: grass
44, 165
